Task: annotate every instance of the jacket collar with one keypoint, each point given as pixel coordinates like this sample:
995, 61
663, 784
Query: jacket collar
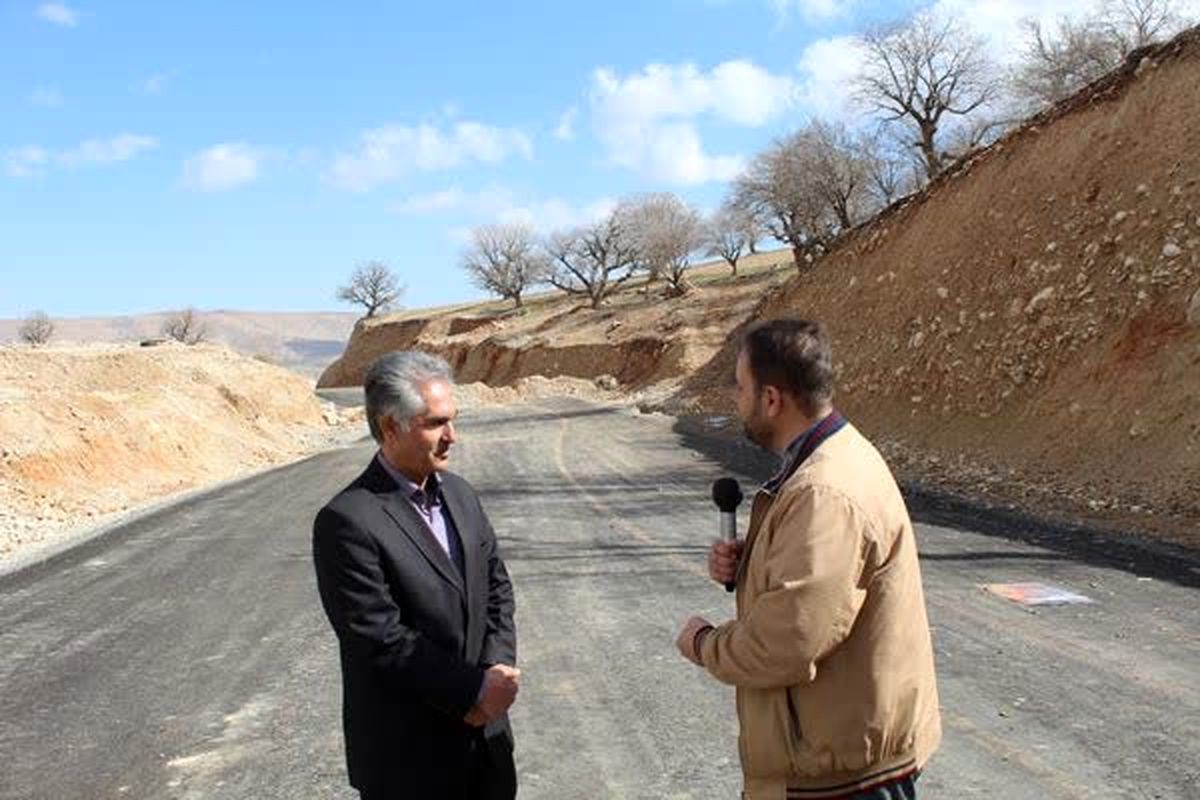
397, 506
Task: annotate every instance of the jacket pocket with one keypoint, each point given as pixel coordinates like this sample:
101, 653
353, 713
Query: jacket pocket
769, 740
797, 735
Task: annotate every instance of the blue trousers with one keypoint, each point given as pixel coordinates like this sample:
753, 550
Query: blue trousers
903, 789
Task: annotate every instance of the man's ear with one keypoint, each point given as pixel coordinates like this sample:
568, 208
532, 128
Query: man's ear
389, 427
773, 399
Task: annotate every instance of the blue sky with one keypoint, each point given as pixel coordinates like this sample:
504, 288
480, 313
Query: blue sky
249, 155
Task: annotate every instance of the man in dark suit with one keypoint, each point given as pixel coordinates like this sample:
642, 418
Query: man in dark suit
412, 581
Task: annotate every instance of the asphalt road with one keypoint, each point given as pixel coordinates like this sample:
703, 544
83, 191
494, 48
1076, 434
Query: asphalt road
185, 655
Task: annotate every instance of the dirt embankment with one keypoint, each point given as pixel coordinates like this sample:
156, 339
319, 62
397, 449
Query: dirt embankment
1026, 329
1031, 327
86, 432
638, 338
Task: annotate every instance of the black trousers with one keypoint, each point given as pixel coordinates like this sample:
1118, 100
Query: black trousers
489, 774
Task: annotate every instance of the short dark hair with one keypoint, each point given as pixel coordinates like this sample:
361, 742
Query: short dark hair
794, 356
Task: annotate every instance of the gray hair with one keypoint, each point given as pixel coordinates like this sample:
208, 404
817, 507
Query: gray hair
392, 386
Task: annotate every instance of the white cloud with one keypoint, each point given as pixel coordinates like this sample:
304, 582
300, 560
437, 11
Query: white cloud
59, 14
306, 155
487, 202
675, 154
24, 162
155, 83
810, 9
222, 167
554, 213
998, 22
443, 200
565, 130
505, 205
827, 69
738, 91
647, 120
393, 151
46, 97
108, 151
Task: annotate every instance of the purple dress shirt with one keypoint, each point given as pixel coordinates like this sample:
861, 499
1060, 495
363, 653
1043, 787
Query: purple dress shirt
427, 504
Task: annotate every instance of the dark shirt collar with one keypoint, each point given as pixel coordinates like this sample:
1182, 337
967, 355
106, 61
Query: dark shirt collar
429, 495
788, 458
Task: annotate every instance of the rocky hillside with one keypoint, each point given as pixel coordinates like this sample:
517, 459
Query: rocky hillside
1027, 328
638, 338
1032, 321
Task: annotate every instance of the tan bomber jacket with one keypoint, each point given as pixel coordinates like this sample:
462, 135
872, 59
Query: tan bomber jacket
830, 652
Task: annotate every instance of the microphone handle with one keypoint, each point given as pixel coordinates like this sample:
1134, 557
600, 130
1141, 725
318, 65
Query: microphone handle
729, 534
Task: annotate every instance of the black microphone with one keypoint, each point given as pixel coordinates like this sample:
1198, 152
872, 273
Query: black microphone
727, 494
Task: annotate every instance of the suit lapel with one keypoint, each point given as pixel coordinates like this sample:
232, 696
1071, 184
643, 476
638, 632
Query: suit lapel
411, 524
464, 523
396, 506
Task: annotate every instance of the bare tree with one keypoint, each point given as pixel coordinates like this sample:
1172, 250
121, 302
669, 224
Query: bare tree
664, 231
37, 329
185, 326
781, 186
753, 227
1058, 63
592, 261
841, 165
505, 260
982, 130
1136, 23
755, 231
892, 169
922, 70
726, 235
372, 286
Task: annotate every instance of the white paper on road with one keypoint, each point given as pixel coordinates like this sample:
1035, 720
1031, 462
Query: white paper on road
1037, 594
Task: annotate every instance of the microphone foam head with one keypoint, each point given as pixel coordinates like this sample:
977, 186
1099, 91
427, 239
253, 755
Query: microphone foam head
727, 494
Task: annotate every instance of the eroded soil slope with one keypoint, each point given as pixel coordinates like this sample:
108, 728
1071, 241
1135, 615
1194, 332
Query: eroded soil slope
1032, 324
88, 431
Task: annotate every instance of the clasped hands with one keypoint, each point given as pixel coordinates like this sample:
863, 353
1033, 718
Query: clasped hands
500, 683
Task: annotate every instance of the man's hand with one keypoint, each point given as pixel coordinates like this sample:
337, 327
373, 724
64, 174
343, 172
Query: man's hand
475, 717
723, 559
686, 641
499, 691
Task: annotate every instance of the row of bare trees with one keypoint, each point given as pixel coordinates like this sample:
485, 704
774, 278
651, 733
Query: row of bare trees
185, 326
653, 235
935, 95
1060, 61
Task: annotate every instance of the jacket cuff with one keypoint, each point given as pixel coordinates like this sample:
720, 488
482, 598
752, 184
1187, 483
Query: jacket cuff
698, 642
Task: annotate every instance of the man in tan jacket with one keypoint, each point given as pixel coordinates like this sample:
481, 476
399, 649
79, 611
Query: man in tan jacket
830, 652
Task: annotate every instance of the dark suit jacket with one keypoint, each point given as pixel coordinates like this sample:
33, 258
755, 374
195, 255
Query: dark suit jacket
415, 635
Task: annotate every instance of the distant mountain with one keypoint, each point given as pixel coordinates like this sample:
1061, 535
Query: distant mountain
304, 342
